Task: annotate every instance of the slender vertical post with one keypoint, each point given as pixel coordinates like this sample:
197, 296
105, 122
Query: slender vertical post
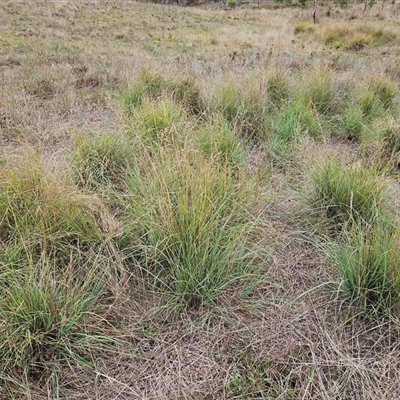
314, 13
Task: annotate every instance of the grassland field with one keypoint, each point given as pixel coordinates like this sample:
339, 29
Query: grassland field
199, 202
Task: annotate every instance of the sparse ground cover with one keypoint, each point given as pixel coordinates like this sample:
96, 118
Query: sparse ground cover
199, 202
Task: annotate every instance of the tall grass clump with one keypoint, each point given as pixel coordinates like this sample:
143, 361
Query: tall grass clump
378, 97
358, 36
187, 93
147, 85
389, 149
101, 162
292, 121
350, 123
317, 91
284, 134
39, 208
304, 27
348, 193
368, 261
384, 90
277, 87
244, 106
219, 143
191, 224
159, 123
48, 323
154, 86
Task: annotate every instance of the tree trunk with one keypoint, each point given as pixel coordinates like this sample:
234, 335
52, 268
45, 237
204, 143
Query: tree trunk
314, 13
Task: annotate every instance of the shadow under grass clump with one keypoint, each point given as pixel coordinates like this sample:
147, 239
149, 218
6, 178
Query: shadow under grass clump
190, 224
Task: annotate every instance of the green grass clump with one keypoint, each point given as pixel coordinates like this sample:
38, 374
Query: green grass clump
47, 323
218, 142
317, 91
187, 93
292, 121
304, 27
389, 152
148, 85
190, 223
370, 105
368, 262
154, 86
378, 97
159, 123
244, 107
277, 87
101, 161
284, 134
38, 208
350, 123
384, 90
348, 193
358, 36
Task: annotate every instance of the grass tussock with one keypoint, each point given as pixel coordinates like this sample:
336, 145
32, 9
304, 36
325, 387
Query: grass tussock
304, 27
101, 162
348, 193
351, 123
159, 123
244, 106
194, 227
277, 87
358, 37
389, 149
220, 144
368, 262
317, 90
48, 322
38, 209
154, 86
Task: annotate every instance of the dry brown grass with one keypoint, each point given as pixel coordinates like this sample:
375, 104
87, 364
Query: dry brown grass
63, 68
